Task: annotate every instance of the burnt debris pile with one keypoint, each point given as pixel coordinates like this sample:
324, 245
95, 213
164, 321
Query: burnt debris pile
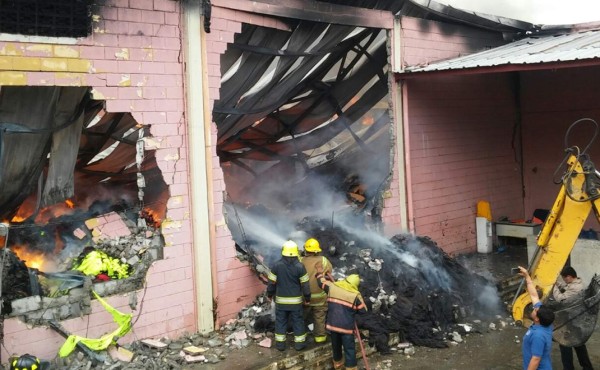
410, 285
15, 279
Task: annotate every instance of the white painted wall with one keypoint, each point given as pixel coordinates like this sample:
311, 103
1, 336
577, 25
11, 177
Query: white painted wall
584, 257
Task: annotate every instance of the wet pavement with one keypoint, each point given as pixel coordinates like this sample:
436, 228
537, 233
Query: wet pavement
494, 350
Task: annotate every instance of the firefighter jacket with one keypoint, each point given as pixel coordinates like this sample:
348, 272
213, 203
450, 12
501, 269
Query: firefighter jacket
342, 306
288, 282
318, 297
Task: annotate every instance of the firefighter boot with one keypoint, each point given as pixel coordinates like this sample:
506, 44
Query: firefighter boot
352, 368
280, 346
337, 365
300, 346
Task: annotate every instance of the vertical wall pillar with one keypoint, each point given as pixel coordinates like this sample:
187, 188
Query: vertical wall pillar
402, 166
200, 175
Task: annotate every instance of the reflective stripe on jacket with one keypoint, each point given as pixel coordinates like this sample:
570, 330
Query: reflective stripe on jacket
318, 296
288, 282
342, 306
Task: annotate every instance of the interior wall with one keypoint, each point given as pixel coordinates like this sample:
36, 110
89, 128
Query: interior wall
552, 101
461, 151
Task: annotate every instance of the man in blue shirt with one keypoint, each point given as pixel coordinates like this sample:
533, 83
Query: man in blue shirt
537, 342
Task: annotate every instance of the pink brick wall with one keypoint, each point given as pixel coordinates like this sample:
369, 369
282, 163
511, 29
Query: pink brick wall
237, 285
552, 101
460, 150
459, 136
134, 63
426, 41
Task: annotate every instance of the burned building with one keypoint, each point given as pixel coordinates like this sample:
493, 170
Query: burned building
207, 133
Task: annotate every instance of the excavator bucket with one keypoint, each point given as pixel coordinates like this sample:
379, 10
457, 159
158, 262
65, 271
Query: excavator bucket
574, 324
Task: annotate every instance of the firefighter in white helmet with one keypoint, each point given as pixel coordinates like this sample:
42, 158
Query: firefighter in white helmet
317, 308
288, 282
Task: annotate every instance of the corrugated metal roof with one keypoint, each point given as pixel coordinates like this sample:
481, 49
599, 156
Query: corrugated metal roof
531, 50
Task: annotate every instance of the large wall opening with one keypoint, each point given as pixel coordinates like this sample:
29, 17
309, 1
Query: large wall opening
81, 204
306, 143
303, 129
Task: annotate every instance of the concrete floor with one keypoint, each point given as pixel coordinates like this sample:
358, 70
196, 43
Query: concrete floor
492, 350
495, 350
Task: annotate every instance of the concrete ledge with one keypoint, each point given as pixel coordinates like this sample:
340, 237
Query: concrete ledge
319, 357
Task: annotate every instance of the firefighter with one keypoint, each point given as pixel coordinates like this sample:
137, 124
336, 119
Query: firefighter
288, 282
344, 301
317, 307
28, 362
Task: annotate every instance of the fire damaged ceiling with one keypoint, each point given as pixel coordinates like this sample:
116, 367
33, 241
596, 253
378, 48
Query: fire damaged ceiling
71, 144
73, 179
303, 107
310, 105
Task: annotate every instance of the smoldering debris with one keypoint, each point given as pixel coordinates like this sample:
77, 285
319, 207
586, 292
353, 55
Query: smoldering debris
410, 285
253, 329
15, 279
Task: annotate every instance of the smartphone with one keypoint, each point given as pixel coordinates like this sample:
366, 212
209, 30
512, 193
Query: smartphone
515, 270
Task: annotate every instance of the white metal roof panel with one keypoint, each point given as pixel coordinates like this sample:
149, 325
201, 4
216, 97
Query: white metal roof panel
531, 50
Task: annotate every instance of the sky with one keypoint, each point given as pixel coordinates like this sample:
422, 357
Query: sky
535, 11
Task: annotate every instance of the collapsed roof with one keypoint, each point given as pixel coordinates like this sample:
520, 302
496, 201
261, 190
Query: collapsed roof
56, 143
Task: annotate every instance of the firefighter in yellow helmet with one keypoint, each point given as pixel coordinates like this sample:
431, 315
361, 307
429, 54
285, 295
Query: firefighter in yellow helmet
317, 308
288, 282
344, 301
28, 362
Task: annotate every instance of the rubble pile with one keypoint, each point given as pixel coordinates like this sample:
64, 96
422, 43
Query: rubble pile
236, 334
428, 301
15, 279
167, 354
410, 285
137, 250
64, 295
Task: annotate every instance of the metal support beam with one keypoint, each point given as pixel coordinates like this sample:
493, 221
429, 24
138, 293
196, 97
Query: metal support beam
314, 11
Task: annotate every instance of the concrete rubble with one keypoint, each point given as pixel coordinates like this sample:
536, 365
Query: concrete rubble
60, 302
252, 329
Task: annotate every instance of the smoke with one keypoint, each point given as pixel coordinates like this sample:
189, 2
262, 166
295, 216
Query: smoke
310, 195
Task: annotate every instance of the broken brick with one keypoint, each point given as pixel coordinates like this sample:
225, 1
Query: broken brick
153, 343
194, 351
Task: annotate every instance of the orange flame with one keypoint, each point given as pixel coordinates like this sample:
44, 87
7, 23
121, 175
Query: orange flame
17, 218
70, 203
152, 217
34, 260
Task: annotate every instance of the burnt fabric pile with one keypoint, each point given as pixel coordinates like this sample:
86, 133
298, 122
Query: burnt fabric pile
15, 279
410, 285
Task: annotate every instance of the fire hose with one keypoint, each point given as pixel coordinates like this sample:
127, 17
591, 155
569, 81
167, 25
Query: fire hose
362, 347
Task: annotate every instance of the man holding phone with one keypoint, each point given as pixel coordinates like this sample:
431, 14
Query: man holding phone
537, 342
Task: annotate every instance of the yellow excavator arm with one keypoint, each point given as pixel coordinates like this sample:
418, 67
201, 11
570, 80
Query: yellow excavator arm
578, 195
